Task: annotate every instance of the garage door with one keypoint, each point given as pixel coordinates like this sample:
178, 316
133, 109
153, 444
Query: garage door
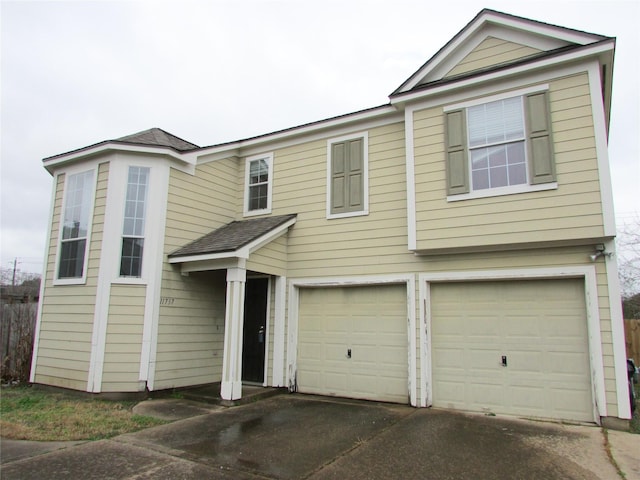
517, 348
352, 342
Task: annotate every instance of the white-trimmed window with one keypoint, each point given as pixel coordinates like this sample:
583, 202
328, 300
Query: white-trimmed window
258, 184
499, 146
347, 176
78, 205
134, 222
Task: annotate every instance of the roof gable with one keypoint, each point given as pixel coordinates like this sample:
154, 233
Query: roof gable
510, 38
491, 51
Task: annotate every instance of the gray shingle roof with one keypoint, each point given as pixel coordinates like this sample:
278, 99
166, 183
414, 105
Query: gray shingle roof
158, 137
232, 236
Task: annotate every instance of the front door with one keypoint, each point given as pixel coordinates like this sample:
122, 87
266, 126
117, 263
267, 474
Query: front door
254, 332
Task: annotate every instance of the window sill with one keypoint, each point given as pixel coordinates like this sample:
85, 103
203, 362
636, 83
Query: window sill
362, 213
70, 281
498, 192
252, 213
128, 281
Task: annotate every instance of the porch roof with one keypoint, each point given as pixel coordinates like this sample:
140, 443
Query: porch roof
233, 237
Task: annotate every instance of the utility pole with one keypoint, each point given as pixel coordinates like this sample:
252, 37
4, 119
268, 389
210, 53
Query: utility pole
15, 266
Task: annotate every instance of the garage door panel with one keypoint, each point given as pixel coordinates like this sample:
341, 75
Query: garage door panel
539, 325
521, 327
333, 325
568, 400
451, 394
312, 351
528, 399
335, 380
481, 359
369, 321
566, 363
490, 396
448, 358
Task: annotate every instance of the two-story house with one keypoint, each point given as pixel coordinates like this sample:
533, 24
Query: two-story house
452, 248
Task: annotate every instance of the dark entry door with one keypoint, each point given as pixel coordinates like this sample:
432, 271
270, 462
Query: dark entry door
255, 329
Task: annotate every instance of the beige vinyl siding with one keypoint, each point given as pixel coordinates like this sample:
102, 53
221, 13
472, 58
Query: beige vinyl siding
66, 328
200, 203
345, 246
271, 259
491, 51
191, 317
572, 211
191, 331
124, 338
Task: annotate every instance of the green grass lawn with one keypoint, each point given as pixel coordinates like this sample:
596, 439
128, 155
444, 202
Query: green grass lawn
27, 413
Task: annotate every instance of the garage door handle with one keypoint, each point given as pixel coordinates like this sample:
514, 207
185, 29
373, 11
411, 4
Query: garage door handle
348, 353
504, 360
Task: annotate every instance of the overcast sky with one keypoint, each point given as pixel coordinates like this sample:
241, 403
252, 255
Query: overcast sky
78, 72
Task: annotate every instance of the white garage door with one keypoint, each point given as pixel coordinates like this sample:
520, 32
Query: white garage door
352, 342
517, 348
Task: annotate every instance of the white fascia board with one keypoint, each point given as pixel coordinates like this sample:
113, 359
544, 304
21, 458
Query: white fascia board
314, 131
544, 29
207, 257
209, 265
447, 51
52, 163
350, 281
480, 79
514, 274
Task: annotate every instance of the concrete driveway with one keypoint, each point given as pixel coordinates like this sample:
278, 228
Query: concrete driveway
296, 436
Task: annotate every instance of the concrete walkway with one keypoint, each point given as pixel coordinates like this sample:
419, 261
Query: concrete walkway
295, 436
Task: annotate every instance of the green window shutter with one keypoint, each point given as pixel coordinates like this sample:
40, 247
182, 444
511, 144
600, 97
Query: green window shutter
356, 177
338, 177
347, 176
456, 142
540, 147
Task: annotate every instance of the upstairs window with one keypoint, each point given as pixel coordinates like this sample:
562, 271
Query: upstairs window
259, 172
497, 144
78, 204
501, 146
134, 222
347, 177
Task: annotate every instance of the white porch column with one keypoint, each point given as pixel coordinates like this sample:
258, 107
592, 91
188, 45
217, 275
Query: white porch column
231, 387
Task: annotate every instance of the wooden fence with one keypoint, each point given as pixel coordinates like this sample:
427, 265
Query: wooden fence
632, 339
17, 326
